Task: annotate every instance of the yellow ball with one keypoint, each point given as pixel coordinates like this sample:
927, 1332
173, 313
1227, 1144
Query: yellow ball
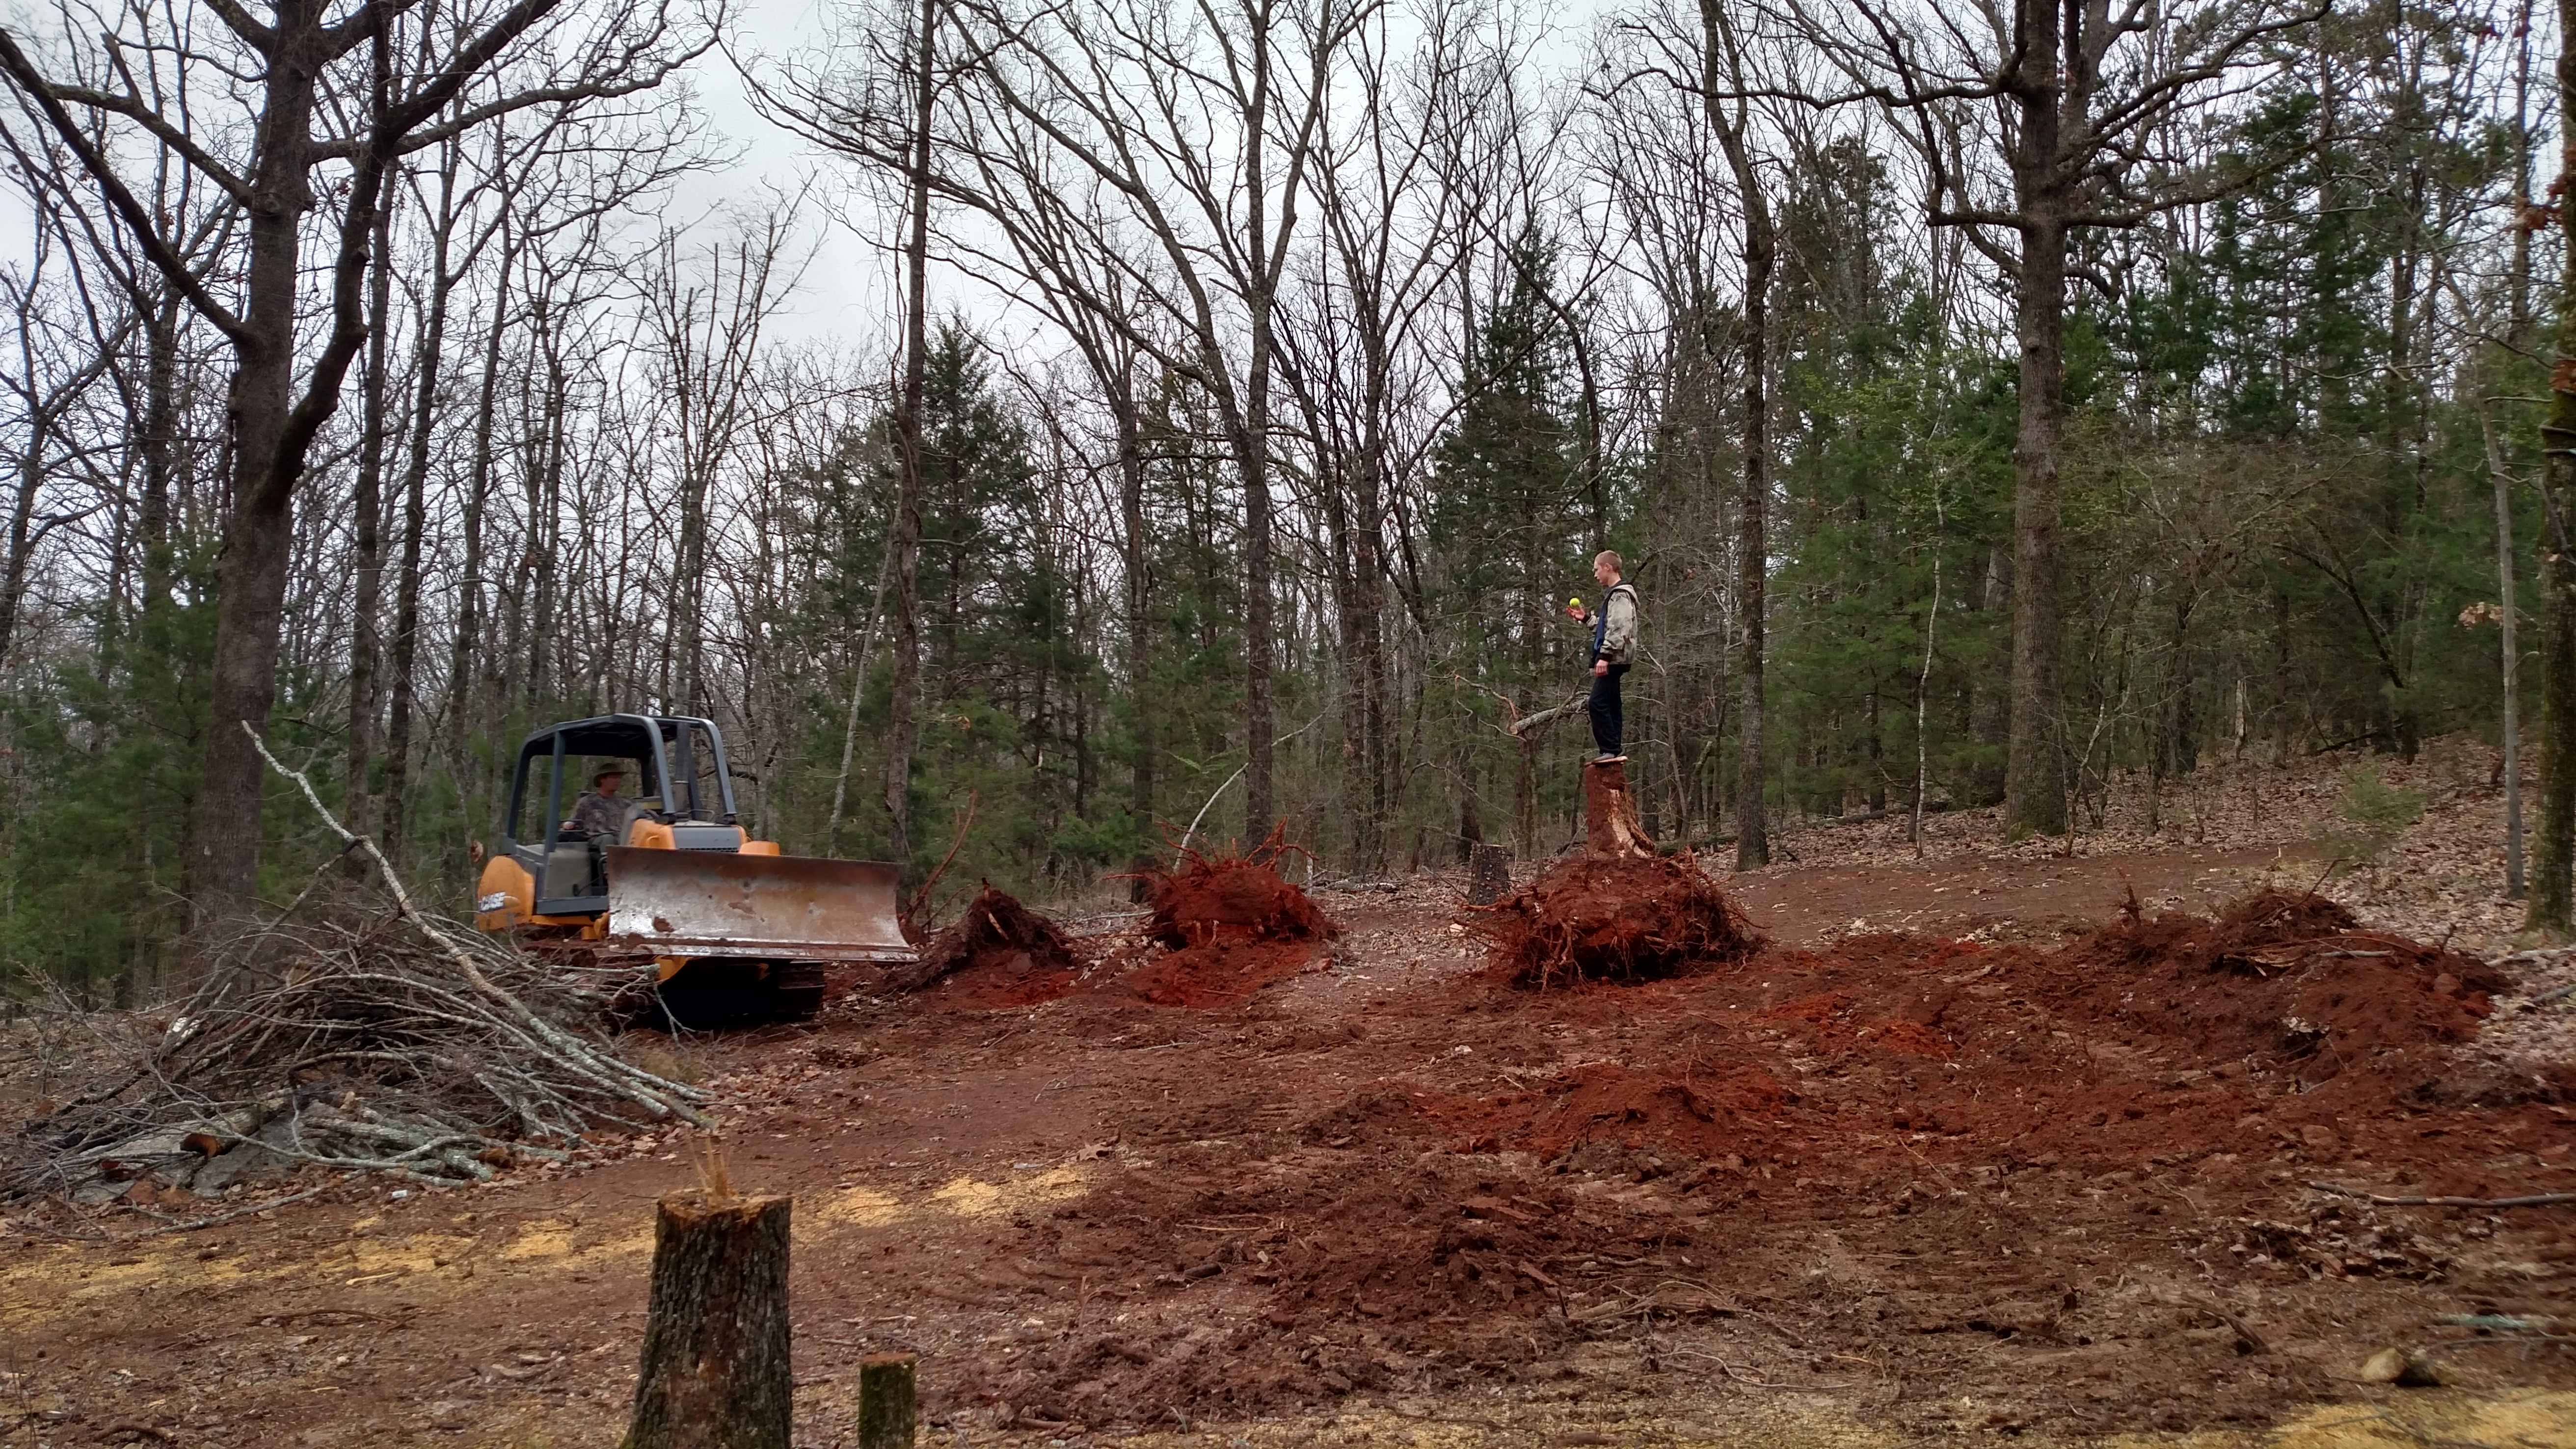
1574, 601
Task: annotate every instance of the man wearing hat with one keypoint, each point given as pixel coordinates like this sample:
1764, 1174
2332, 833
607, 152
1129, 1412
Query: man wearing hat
602, 813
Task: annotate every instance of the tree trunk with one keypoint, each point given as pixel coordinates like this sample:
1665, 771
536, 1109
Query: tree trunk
1610, 825
2518, 275
368, 567
22, 514
1990, 699
159, 448
1140, 645
1752, 540
908, 442
716, 1367
2512, 661
406, 638
2554, 831
1259, 808
1266, 255
222, 870
467, 702
886, 1396
2034, 785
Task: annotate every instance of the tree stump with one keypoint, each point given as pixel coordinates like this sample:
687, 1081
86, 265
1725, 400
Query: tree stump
715, 1373
885, 1400
1610, 824
1489, 874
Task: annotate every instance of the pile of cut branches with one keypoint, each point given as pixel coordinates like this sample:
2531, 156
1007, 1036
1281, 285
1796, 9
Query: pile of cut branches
354, 1040
354, 1032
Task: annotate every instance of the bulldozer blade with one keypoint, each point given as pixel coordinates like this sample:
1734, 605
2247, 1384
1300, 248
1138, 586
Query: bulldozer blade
688, 903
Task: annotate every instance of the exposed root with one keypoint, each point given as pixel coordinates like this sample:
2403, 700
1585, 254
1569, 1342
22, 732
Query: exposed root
1615, 918
998, 932
1230, 898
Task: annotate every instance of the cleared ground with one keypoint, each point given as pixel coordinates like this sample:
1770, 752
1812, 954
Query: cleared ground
1961, 1152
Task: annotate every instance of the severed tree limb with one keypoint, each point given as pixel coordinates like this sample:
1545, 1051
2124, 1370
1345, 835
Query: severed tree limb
1548, 716
2541, 1199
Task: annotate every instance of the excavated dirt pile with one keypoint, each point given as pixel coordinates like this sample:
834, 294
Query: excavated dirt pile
1616, 918
2281, 975
999, 953
1232, 924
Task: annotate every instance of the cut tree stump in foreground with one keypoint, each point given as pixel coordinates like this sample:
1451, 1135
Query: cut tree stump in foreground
1609, 815
716, 1373
885, 1400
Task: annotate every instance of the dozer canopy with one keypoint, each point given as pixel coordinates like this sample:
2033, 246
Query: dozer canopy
768, 907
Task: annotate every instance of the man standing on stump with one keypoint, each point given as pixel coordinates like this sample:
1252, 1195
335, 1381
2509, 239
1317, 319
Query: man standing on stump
1614, 643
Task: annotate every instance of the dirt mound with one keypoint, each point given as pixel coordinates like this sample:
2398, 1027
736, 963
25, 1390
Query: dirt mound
999, 953
1615, 918
1224, 899
1233, 926
2281, 977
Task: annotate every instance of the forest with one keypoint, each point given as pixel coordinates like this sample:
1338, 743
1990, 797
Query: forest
1991, 402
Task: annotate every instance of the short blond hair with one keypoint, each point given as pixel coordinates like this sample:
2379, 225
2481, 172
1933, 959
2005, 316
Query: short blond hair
1605, 556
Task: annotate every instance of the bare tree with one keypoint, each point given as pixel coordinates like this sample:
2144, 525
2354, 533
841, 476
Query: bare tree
1394, 234
310, 95
1753, 547
62, 337
1202, 123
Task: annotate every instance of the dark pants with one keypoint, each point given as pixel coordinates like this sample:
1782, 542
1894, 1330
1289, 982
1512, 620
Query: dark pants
1604, 707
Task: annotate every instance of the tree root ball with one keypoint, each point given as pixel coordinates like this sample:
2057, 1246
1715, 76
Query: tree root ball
1616, 919
1232, 898
996, 934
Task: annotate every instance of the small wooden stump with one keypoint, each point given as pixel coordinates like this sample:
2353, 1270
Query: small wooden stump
1610, 825
1489, 874
716, 1372
885, 1400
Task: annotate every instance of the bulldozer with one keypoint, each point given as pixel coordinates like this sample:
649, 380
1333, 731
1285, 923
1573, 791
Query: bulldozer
726, 930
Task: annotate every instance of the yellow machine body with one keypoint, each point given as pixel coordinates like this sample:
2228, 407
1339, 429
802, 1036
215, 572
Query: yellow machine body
718, 914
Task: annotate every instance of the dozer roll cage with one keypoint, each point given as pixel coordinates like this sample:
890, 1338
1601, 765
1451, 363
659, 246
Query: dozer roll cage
667, 748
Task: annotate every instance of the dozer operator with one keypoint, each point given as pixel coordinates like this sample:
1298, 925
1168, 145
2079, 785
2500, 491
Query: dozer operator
730, 931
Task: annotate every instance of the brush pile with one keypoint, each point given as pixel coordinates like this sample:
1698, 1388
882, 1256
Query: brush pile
353, 1038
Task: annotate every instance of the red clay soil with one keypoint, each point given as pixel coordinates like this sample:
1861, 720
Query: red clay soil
1229, 925
1232, 926
1859, 1092
1616, 919
1232, 898
999, 953
1955, 1189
